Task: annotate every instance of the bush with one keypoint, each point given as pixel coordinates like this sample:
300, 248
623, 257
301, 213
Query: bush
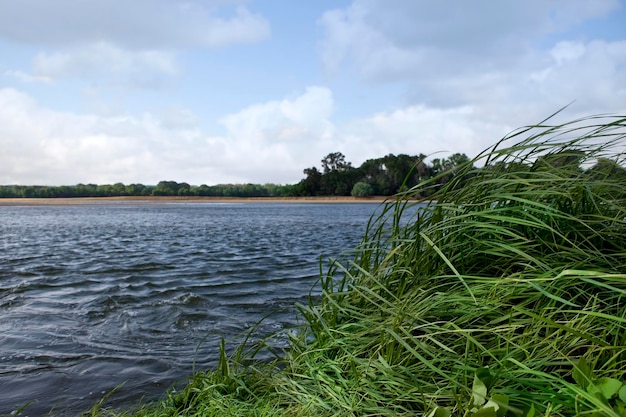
362, 189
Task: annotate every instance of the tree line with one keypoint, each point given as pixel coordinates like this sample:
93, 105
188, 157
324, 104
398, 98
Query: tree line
163, 188
383, 176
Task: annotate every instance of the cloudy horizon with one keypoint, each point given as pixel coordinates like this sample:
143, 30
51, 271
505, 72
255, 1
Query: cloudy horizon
244, 91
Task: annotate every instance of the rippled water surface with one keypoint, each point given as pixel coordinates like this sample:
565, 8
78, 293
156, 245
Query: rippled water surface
93, 296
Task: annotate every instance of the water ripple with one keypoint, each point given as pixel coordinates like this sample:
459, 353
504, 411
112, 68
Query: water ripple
95, 296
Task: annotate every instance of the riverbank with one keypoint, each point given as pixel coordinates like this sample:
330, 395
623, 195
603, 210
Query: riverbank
183, 200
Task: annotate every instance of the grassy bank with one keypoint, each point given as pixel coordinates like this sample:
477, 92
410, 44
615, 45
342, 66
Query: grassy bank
505, 298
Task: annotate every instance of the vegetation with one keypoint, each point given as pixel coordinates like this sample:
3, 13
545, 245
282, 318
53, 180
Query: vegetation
382, 176
506, 297
163, 188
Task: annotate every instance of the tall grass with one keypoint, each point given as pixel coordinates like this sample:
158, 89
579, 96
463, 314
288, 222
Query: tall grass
504, 296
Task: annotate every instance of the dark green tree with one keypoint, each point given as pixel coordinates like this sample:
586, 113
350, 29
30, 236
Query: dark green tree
607, 168
311, 185
166, 188
338, 175
335, 161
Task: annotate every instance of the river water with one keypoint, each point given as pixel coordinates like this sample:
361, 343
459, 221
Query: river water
94, 296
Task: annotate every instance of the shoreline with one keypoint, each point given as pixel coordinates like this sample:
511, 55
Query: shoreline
182, 199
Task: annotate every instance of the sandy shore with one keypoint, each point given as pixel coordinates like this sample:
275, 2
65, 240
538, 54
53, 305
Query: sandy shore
156, 200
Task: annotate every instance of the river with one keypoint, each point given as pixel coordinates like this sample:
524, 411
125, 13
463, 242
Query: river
97, 295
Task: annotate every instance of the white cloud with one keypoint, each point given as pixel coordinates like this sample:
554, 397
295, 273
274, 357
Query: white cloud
269, 142
40, 146
133, 25
289, 119
28, 78
278, 139
418, 130
469, 74
510, 62
275, 140
567, 51
481, 109
104, 59
245, 27
421, 41
591, 73
134, 43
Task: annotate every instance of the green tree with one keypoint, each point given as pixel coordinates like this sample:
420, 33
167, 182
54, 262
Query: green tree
605, 168
338, 176
166, 188
569, 159
445, 168
362, 189
311, 185
335, 161
183, 189
118, 189
136, 190
400, 171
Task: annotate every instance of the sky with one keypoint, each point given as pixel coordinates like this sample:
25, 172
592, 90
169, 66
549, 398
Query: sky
255, 91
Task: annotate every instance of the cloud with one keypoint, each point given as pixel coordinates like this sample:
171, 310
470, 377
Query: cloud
592, 73
28, 78
512, 63
468, 113
131, 25
279, 138
245, 27
419, 130
41, 146
130, 44
285, 120
274, 141
104, 59
566, 51
267, 142
391, 40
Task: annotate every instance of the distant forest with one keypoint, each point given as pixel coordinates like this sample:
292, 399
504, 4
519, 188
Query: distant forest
384, 176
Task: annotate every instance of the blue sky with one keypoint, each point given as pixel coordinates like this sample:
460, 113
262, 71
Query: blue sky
235, 91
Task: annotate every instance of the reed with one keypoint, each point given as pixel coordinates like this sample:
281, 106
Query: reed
504, 296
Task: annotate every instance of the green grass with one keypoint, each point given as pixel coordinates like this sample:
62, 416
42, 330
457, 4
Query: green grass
506, 297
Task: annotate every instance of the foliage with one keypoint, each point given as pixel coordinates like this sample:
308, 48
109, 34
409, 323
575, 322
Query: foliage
384, 176
362, 189
163, 188
335, 161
